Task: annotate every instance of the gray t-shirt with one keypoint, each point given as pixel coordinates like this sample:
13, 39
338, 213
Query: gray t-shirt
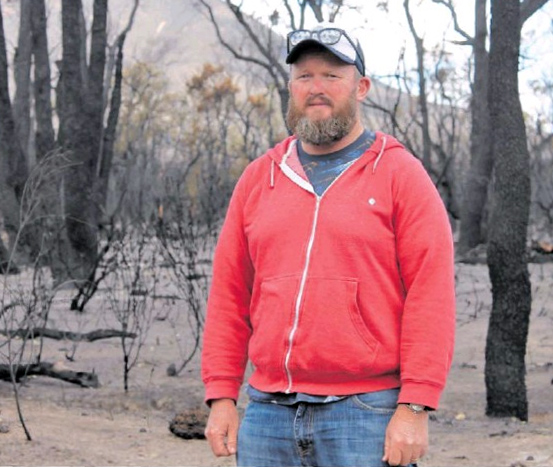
324, 169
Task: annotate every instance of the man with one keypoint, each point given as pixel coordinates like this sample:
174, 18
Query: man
334, 275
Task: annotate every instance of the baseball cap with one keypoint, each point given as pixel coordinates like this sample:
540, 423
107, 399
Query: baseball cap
334, 39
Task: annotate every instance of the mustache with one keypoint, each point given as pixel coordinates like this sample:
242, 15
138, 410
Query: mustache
318, 100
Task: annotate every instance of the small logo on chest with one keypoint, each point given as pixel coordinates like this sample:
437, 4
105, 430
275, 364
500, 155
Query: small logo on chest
372, 201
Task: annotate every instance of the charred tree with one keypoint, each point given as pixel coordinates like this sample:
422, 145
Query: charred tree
45, 136
507, 259
22, 72
479, 175
13, 167
472, 229
79, 136
108, 140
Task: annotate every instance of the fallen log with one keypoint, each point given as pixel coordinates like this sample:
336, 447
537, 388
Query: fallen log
67, 335
52, 370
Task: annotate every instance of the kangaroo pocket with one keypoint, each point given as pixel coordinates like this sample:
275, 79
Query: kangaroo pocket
333, 341
272, 319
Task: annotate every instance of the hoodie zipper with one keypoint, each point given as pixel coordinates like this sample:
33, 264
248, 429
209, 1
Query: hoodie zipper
299, 297
300, 294
307, 186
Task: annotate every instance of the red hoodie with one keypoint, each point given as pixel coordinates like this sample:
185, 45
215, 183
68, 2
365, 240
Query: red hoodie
344, 293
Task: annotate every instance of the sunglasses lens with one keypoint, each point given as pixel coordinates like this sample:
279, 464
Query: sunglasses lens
299, 36
330, 36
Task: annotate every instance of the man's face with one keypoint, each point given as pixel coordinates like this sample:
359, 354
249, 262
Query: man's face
323, 99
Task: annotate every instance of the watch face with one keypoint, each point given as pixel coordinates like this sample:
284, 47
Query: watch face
417, 407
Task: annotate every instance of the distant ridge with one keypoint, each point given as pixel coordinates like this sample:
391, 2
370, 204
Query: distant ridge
178, 38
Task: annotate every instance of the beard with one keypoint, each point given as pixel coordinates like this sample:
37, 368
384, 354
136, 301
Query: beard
320, 132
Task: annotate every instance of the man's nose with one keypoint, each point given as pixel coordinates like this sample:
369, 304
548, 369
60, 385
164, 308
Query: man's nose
317, 86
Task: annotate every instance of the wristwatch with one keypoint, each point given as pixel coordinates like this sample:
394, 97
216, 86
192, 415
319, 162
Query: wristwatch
416, 408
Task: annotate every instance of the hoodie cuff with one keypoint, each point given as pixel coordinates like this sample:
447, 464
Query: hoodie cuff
222, 389
420, 393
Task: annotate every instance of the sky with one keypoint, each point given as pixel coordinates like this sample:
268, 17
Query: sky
384, 35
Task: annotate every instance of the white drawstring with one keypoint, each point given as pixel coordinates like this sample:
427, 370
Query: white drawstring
380, 154
272, 173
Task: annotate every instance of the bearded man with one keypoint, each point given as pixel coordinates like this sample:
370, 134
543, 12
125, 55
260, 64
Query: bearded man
334, 275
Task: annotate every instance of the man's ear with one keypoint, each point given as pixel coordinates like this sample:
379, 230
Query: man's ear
363, 87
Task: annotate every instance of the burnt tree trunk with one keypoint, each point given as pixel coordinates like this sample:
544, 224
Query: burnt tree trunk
475, 197
472, 230
55, 246
95, 88
22, 72
507, 261
95, 96
13, 167
45, 137
81, 98
75, 129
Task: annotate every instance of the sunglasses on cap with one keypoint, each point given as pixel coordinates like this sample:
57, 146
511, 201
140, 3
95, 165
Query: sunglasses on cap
330, 37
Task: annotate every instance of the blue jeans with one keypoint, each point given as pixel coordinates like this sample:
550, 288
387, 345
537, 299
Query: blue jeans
346, 433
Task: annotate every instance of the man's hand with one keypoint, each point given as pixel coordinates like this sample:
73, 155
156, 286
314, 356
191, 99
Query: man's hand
406, 437
222, 427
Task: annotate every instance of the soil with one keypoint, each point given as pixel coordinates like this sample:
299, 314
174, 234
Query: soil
71, 426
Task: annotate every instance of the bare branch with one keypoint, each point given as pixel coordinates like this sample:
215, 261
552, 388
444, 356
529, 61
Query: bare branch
316, 7
291, 14
105, 156
131, 20
469, 40
272, 64
423, 104
254, 37
529, 7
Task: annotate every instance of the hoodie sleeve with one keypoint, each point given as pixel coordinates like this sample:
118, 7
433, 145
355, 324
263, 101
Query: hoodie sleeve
426, 262
227, 328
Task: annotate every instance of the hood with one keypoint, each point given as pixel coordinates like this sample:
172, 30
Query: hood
285, 156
